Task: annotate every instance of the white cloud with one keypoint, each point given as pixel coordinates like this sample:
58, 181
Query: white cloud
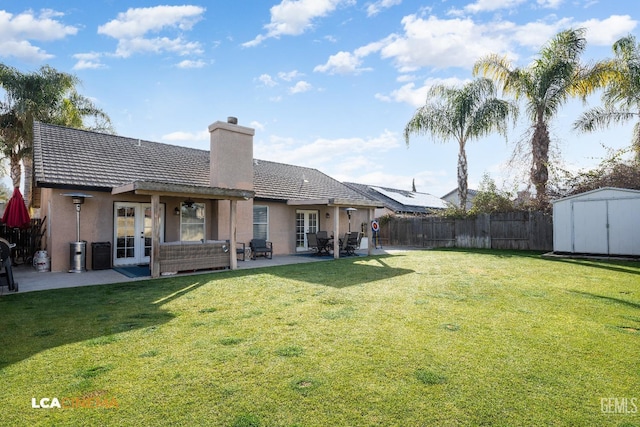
294, 17
87, 65
342, 63
290, 75
550, 4
257, 125
431, 42
442, 43
376, 7
191, 64
136, 22
606, 31
187, 136
417, 96
323, 151
300, 87
267, 80
491, 5
434, 43
131, 27
18, 31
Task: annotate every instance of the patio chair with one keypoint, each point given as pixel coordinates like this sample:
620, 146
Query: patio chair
344, 245
6, 271
261, 247
313, 243
240, 251
352, 243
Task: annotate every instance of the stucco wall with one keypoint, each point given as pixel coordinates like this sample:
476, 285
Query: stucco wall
97, 215
96, 222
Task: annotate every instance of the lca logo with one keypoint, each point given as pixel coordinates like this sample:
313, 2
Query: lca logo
46, 403
73, 402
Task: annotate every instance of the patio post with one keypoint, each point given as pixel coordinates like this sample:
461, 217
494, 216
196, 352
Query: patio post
370, 216
336, 232
155, 236
233, 222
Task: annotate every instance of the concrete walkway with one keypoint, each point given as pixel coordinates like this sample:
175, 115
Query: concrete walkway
29, 280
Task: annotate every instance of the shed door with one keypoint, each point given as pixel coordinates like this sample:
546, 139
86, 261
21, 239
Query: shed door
624, 227
590, 233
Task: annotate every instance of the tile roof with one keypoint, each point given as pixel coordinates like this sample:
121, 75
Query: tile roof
79, 158
280, 181
400, 201
65, 157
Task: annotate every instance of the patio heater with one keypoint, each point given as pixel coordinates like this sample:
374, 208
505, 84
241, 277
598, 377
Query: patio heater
77, 249
349, 210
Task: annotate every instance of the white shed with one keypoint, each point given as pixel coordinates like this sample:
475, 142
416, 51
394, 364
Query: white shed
605, 221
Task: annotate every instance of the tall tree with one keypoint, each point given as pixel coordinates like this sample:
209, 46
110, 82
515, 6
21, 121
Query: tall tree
46, 95
546, 84
461, 114
621, 96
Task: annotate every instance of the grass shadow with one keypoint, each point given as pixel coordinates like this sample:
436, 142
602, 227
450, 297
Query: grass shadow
629, 267
36, 321
498, 253
340, 273
607, 299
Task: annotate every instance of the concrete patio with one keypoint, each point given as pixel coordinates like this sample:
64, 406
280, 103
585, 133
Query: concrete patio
29, 280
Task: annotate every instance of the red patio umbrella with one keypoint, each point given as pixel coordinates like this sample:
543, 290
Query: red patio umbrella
16, 214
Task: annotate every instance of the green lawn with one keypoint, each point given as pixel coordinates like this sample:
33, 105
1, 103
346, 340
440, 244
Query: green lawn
422, 338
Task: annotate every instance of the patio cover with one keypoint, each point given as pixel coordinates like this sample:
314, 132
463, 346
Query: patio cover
341, 203
157, 189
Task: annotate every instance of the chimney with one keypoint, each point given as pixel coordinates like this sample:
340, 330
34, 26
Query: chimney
231, 155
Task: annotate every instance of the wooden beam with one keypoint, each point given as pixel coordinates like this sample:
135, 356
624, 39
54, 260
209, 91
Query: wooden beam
177, 190
155, 236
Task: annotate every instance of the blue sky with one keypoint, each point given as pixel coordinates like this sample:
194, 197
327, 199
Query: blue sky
328, 84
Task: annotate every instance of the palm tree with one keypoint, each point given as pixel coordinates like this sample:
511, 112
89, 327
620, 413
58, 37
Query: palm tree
461, 113
546, 84
621, 97
48, 96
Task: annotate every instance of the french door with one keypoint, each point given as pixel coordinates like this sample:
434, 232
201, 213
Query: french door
306, 222
132, 233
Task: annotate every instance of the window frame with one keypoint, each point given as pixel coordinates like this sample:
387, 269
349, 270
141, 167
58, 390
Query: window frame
265, 224
184, 225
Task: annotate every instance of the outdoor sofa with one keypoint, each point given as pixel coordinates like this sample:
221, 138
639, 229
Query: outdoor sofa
190, 256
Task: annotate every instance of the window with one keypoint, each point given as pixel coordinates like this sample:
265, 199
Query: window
260, 222
192, 225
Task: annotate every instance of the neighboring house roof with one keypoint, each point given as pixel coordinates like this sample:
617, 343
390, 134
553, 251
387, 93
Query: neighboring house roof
400, 201
453, 194
74, 158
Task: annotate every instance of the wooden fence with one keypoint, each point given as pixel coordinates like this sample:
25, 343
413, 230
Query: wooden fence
512, 230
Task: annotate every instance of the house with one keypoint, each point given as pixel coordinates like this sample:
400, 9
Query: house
142, 196
399, 202
452, 197
599, 222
